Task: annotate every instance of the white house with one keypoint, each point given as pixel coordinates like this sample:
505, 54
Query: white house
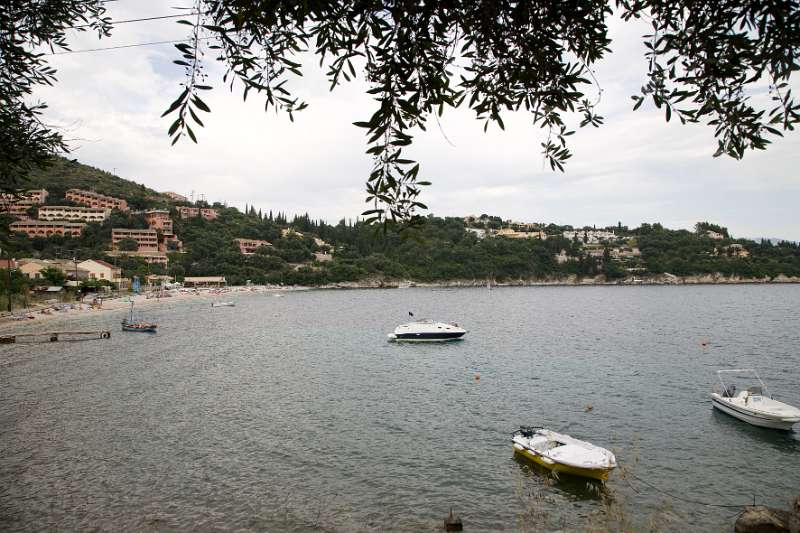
101, 270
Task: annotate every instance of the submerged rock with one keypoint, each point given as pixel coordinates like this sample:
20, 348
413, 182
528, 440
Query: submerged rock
762, 519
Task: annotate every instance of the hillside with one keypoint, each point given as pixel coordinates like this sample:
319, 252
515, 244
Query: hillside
64, 174
300, 250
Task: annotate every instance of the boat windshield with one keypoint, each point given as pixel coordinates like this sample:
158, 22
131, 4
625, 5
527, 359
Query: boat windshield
733, 383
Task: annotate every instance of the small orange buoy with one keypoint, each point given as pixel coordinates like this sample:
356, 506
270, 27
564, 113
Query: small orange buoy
477, 377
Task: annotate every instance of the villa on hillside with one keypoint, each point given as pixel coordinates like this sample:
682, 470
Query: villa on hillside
204, 281
591, 236
249, 246
101, 270
191, 212
40, 228
146, 239
72, 213
150, 257
93, 199
514, 234
159, 219
175, 197
18, 204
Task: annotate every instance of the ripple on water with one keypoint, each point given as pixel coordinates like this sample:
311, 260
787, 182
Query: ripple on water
286, 414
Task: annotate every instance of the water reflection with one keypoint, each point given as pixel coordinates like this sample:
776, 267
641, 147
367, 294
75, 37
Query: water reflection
783, 441
574, 487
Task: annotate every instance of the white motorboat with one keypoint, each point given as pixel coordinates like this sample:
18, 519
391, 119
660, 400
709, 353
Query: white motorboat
752, 403
427, 331
563, 454
223, 304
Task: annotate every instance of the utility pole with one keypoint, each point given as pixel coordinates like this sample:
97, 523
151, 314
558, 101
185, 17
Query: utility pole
8, 274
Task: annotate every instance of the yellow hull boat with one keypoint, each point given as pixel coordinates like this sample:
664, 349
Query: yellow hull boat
563, 454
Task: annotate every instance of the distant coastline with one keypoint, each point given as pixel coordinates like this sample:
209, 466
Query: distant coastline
42, 314
565, 281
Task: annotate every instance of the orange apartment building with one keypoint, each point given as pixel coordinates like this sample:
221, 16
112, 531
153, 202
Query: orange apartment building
159, 219
93, 199
71, 213
249, 246
158, 258
40, 228
18, 204
191, 212
147, 239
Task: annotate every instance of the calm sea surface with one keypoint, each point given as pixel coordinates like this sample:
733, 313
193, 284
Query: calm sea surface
293, 413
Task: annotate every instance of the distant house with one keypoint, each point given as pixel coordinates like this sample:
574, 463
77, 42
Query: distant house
150, 257
734, 250
175, 197
322, 257
72, 213
478, 232
191, 212
204, 281
562, 257
591, 236
101, 270
249, 246
159, 219
285, 232
93, 199
32, 268
514, 234
625, 252
714, 235
39, 228
18, 204
146, 239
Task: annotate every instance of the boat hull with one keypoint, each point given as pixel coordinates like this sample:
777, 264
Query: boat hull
426, 337
753, 418
134, 329
600, 474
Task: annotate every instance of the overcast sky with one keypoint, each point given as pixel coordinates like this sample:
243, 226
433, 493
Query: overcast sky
636, 168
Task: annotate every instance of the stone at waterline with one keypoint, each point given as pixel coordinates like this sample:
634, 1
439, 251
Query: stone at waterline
763, 519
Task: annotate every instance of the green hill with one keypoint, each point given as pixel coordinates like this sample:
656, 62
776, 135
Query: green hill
64, 174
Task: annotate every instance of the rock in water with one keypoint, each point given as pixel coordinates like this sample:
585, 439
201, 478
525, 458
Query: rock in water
762, 519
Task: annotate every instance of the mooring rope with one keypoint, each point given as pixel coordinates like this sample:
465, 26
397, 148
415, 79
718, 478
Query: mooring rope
688, 500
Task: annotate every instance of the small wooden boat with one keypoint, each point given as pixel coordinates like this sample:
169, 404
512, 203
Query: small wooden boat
137, 326
563, 454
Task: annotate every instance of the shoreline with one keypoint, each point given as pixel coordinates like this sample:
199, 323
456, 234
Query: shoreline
80, 309
568, 281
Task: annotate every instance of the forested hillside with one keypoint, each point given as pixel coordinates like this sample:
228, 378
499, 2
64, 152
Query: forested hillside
305, 251
63, 174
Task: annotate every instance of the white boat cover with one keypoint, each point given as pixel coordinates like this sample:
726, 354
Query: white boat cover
566, 450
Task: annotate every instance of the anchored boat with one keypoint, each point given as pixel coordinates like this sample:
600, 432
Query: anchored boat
223, 304
563, 454
427, 331
137, 326
752, 404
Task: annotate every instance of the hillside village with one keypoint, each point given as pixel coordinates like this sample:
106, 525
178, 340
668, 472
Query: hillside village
88, 237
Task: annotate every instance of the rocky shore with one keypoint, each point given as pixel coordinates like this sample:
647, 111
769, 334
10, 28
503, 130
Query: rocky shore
572, 280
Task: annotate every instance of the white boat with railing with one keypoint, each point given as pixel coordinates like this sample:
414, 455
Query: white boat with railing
751, 403
426, 330
223, 304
